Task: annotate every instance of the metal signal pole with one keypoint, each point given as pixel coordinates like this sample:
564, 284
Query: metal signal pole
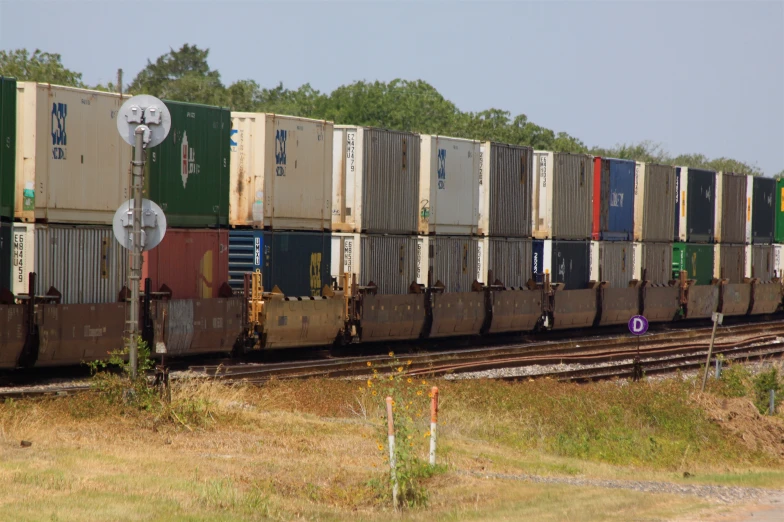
135, 276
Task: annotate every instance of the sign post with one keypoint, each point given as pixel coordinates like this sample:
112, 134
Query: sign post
143, 121
638, 325
717, 319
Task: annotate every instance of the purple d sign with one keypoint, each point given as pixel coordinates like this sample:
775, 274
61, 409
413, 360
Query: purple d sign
638, 325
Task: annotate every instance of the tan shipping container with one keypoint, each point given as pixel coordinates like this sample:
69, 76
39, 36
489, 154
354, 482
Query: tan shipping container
761, 262
653, 262
654, 202
730, 262
281, 172
730, 208
72, 166
562, 206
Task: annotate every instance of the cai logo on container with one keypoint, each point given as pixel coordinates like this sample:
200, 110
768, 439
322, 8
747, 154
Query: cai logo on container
59, 136
188, 163
280, 152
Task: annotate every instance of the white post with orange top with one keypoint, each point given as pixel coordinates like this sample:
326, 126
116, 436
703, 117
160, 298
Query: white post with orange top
391, 433
433, 424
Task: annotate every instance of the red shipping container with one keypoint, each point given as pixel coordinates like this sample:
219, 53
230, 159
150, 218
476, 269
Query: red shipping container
193, 263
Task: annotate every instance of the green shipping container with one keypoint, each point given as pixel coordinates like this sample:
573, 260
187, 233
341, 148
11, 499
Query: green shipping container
188, 174
779, 234
696, 260
7, 147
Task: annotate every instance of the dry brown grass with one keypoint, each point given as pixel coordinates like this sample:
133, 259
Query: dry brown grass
308, 450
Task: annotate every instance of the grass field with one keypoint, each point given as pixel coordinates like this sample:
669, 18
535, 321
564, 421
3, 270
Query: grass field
310, 450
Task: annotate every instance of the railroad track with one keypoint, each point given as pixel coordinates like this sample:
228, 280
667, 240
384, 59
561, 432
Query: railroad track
662, 352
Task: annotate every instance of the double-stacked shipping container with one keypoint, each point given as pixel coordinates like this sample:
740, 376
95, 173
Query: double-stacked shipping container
654, 209
562, 218
72, 172
281, 202
694, 226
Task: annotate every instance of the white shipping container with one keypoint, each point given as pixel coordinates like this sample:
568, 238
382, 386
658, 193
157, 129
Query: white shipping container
778, 260
453, 260
654, 261
612, 262
281, 172
508, 258
562, 202
85, 264
387, 261
72, 166
449, 186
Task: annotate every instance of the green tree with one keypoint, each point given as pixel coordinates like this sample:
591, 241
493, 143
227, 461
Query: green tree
181, 75
38, 67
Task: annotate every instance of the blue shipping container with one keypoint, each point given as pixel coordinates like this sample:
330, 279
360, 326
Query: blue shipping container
567, 262
298, 263
613, 199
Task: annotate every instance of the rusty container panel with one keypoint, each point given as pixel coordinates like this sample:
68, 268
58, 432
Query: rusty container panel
702, 301
85, 264
730, 208
619, 305
193, 263
392, 317
661, 303
767, 298
574, 309
612, 262
292, 322
653, 262
729, 262
735, 298
72, 334
459, 313
515, 310
763, 262
12, 334
454, 261
505, 188
509, 259
192, 326
654, 202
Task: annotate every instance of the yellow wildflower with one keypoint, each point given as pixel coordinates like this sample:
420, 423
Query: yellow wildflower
374, 393
411, 444
380, 447
410, 380
408, 362
424, 383
409, 437
369, 363
391, 378
427, 434
391, 354
399, 369
369, 383
419, 392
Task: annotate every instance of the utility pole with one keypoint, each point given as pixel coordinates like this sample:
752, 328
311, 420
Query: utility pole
119, 82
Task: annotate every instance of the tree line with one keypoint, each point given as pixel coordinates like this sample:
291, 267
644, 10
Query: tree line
407, 105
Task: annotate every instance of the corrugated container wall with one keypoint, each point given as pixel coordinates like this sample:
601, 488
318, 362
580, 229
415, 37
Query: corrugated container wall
762, 262
298, 263
613, 199
612, 262
388, 261
6, 253
281, 172
729, 262
7, 148
696, 260
779, 210
449, 186
731, 207
72, 166
453, 261
509, 260
505, 190
653, 262
567, 262
193, 263
695, 214
654, 202
375, 180
763, 216
188, 174
85, 264
563, 196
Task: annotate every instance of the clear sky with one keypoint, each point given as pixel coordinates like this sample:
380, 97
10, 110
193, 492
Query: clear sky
695, 76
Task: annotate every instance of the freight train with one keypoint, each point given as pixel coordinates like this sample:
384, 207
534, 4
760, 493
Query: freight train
288, 232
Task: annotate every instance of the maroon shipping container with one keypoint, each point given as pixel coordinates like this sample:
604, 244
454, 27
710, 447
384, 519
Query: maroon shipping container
193, 263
